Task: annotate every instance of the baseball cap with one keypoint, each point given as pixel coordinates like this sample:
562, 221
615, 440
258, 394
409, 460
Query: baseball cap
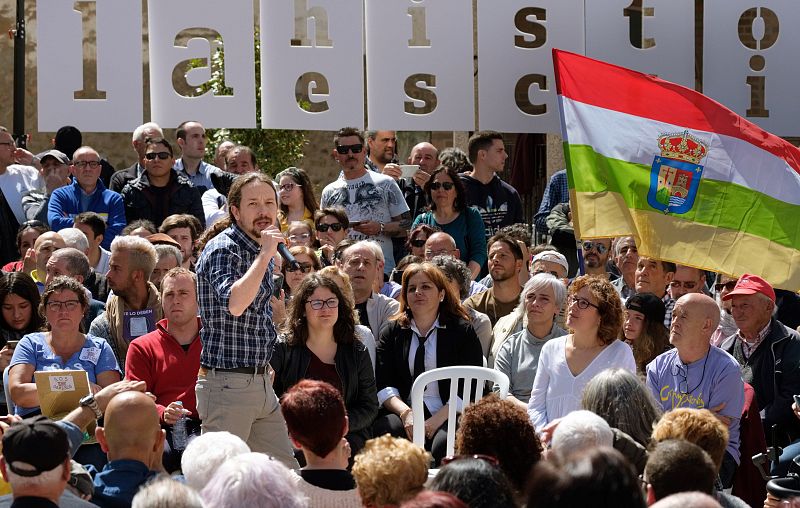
56, 154
750, 284
648, 304
163, 239
553, 257
35, 446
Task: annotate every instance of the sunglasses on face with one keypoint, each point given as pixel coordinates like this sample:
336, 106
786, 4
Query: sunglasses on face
418, 243
304, 267
322, 228
161, 155
599, 247
728, 285
444, 185
343, 149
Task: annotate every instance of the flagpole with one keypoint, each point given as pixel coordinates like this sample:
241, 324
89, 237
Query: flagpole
19, 76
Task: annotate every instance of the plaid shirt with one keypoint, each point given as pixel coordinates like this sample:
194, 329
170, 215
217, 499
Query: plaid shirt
229, 341
669, 305
747, 347
557, 191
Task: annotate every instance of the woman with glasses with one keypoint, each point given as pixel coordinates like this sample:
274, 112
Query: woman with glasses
319, 342
62, 347
309, 263
566, 364
332, 227
415, 245
450, 213
296, 196
643, 329
431, 329
518, 356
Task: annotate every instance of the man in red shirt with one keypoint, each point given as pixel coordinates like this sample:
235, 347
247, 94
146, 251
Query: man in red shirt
168, 358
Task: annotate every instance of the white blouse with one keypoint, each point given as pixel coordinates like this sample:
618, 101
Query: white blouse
556, 391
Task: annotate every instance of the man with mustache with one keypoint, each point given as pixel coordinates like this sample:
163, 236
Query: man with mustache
234, 285
374, 203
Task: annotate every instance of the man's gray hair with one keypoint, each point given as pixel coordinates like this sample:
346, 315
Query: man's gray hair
51, 477
371, 245
456, 270
74, 237
77, 262
138, 133
163, 491
579, 431
206, 453
163, 250
142, 254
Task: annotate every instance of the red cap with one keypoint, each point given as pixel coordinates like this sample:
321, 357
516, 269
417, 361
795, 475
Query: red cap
750, 284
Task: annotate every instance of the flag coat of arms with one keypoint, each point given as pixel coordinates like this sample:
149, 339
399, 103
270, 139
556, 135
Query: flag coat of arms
692, 181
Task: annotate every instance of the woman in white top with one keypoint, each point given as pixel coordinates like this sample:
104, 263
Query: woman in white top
568, 363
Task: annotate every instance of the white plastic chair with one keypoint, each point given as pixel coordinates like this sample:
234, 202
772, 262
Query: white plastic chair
469, 374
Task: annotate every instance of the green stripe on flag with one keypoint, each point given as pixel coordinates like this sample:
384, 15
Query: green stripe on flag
721, 204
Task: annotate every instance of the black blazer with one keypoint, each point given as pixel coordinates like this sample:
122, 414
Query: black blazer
456, 344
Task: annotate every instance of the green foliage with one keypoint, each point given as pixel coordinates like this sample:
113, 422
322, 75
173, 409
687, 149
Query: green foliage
275, 149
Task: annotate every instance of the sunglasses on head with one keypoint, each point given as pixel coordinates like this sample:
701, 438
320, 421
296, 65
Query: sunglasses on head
161, 155
445, 185
599, 247
343, 149
335, 226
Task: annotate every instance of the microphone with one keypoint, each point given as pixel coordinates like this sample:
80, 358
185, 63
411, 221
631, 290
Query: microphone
283, 250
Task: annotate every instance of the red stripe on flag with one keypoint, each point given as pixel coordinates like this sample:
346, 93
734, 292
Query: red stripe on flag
616, 88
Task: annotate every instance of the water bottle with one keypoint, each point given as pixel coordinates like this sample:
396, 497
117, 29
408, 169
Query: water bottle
179, 436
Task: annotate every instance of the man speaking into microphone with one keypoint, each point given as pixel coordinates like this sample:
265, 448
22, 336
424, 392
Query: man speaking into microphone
234, 284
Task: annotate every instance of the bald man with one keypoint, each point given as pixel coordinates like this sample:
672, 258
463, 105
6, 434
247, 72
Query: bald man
698, 375
43, 248
134, 442
441, 244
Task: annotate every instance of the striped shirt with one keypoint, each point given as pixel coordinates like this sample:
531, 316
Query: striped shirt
230, 341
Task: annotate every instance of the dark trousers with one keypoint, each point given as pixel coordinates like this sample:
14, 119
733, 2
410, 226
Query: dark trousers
172, 457
390, 423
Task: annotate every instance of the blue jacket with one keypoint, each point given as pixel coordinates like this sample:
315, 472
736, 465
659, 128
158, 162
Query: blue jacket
65, 204
118, 482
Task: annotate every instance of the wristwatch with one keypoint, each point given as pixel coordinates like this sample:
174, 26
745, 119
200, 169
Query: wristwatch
88, 401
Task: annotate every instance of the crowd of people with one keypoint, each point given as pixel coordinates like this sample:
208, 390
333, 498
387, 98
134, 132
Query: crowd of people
225, 370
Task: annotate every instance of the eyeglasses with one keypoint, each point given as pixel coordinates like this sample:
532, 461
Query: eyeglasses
582, 303
331, 303
554, 274
289, 187
685, 284
335, 226
418, 243
680, 371
728, 285
304, 267
477, 456
70, 305
343, 149
301, 237
599, 247
444, 185
96, 164
161, 155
